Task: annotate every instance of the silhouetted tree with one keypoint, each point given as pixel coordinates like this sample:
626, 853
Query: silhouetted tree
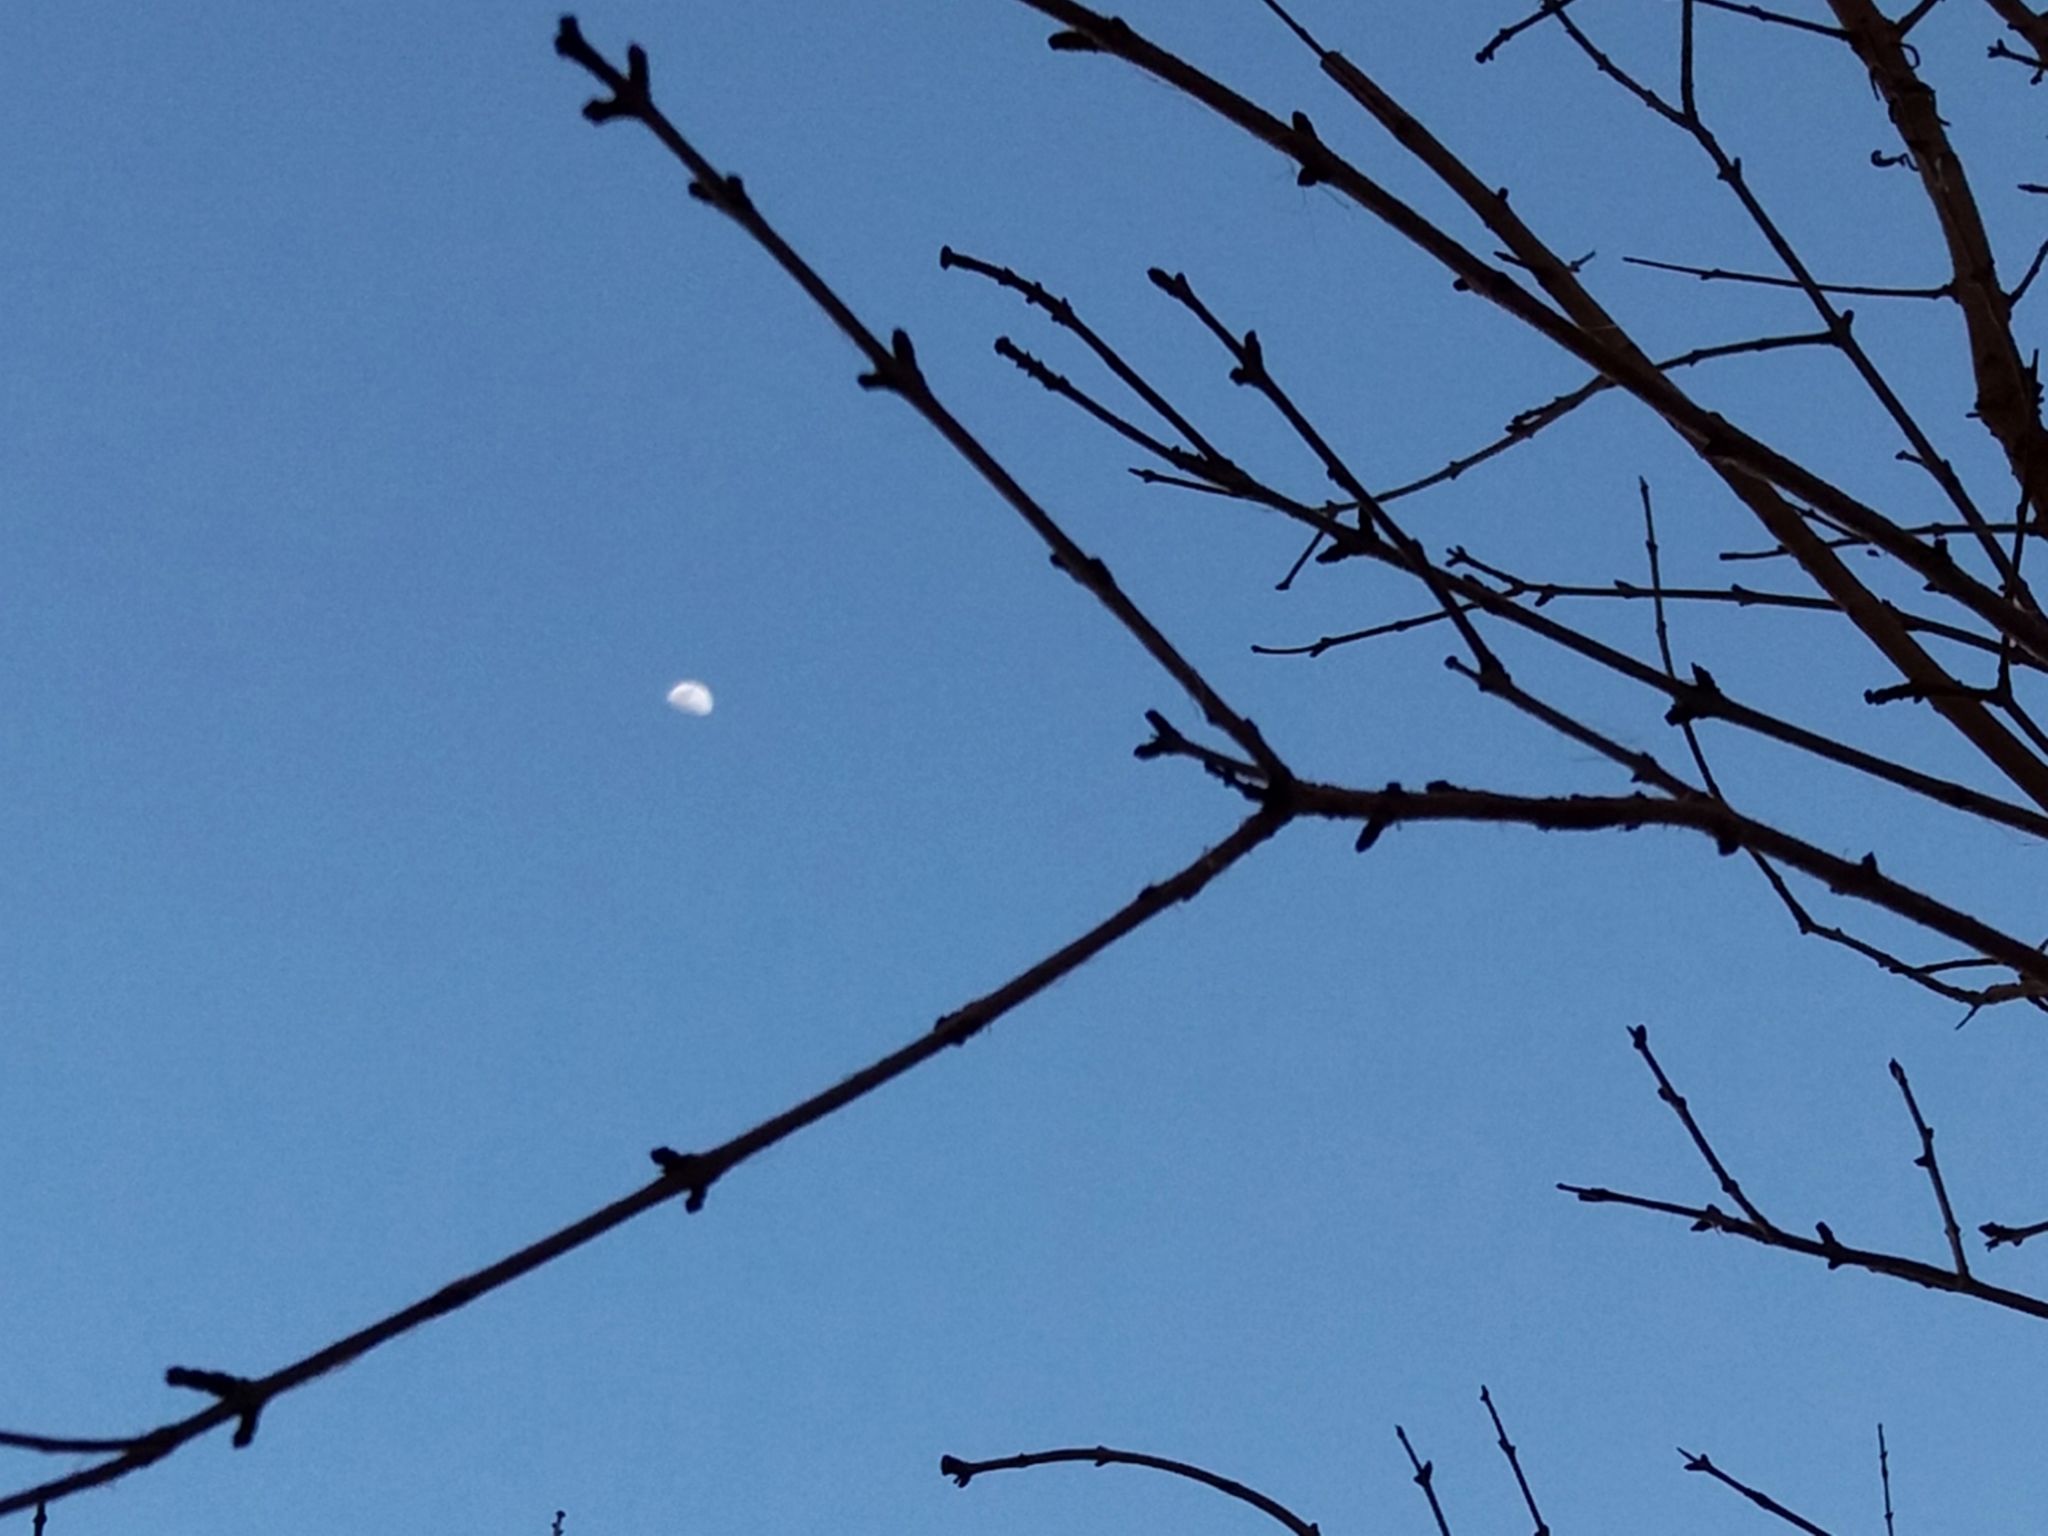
1942, 620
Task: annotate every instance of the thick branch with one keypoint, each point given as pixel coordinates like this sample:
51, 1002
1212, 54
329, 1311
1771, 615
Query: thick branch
2008, 393
1379, 809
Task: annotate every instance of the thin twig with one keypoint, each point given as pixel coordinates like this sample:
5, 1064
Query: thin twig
2039, 65
1514, 29
1768, 280
1507, 1449
1776, 18
1997, 1234
1828, 1248
963, 1472
1927, 1160
1884, 1477
1639, 1037
1755, 1496
1801, 916
1375, 522
1935, 530
1064, 315
2026, 281
1526, 424
2029, 24
1425, 1479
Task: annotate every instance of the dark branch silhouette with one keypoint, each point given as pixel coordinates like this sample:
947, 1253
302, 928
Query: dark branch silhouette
1955, 1278
1941, 607
963, 1472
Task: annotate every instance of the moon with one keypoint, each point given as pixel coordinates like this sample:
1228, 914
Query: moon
690, 697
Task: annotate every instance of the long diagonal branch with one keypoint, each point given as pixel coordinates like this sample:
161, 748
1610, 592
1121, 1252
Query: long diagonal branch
684, 1176
894, 369
240, 1400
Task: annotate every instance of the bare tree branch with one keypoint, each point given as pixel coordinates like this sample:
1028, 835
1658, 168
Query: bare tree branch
893, 369
1507, 1449
963, 1472
1755, 472
684, 1176
1824, 1245
2031, 25
2008, 392
1776, 18
1425, 1479
1927, 1160
1767, 280
1884, 1477
1756, 1496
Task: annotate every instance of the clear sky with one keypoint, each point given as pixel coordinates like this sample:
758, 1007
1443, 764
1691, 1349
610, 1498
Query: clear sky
379, 443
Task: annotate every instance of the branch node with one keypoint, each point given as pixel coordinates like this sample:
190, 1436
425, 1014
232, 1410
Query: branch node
899, 374
691, 1171
237, 1392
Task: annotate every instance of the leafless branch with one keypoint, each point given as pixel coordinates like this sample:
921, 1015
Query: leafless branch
1997, 1234
1884, 1477
2008, 393
689, 1176
1514, 29
1928, 1161
1639, 1037
1425, 1479
1526, 424
1507, 1449
1063, 315
1458, 595
1756, 473
963, 1472
2039, 65
1824, 1245
1756, 1496
684, 1176
1776, 18
2031, 26
1935, 530
1767, 280
1728, 170
893, 369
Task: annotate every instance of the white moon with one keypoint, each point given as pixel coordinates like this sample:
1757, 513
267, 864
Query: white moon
690, 697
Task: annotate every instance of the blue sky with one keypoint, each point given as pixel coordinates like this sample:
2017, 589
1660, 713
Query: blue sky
380, 442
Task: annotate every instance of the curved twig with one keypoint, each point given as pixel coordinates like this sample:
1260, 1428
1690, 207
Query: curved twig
962, 1472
